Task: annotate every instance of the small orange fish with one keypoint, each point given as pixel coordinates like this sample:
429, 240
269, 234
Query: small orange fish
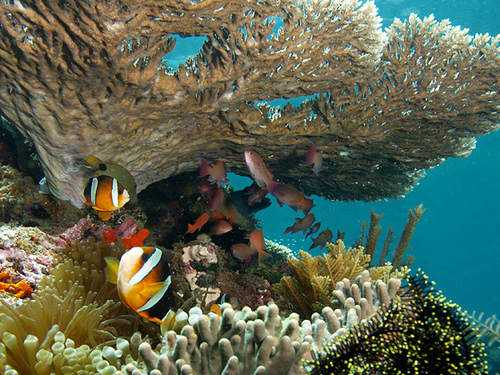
243, 252
256, 194
296, 200
301, 224
257, 242
143, 281
217, 199
198, 224
314, 158
105, 194
221, 227
259, 172
215, 172
324, 237
216, 307
313, 229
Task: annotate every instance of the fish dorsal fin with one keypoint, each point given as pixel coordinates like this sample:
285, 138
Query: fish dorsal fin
112, 269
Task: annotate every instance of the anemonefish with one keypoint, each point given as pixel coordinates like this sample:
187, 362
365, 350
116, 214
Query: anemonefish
143, 280
105, 194
117, 172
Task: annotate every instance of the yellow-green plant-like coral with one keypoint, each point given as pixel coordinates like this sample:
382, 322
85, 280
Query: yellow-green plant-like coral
315, 278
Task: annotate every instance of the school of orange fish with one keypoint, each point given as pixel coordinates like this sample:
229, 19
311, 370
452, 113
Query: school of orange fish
142, 274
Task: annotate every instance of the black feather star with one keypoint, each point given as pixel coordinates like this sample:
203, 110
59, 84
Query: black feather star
417, 333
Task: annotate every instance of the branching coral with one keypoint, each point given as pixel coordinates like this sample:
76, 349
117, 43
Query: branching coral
316, 278
76, 76
419, 333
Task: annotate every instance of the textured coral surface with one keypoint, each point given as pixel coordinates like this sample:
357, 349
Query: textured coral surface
81, 78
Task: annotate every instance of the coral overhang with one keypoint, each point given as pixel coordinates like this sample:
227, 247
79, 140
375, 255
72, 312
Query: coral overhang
82, 78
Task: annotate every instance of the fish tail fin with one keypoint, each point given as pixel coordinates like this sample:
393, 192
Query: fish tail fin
112, 269
263, 254
204, 168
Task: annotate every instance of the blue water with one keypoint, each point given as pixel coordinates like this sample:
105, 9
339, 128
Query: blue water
457, 240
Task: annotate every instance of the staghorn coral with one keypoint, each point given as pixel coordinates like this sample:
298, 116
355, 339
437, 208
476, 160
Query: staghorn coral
315, 279
77, 76
420, 332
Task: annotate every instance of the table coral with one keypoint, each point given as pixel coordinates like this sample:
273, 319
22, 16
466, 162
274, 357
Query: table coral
91, 78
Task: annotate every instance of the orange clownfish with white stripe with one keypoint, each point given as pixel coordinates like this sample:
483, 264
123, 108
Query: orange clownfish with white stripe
105, 194
143, 280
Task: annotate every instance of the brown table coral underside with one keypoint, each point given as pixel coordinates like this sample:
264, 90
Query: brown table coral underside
81, 78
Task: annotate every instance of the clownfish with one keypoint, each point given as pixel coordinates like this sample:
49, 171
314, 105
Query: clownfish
117, 172
143, 280
105, 194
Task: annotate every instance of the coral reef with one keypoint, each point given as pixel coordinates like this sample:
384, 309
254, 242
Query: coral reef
374, 231
75, 77
420, 332
315, 279
21, 202
489, 328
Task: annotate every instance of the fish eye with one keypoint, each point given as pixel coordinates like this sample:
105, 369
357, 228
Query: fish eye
145, 257
102, 167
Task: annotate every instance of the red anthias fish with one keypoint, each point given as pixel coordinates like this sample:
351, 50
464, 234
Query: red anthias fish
314, 158
198, 224
143, 281
256, 238
221, 227
256, 194
259, 172
285, 193
301, 224
324, 237
243, 252
217, 199
313, 229
215, 172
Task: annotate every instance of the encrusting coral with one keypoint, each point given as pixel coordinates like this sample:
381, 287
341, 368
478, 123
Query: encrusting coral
76, 76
